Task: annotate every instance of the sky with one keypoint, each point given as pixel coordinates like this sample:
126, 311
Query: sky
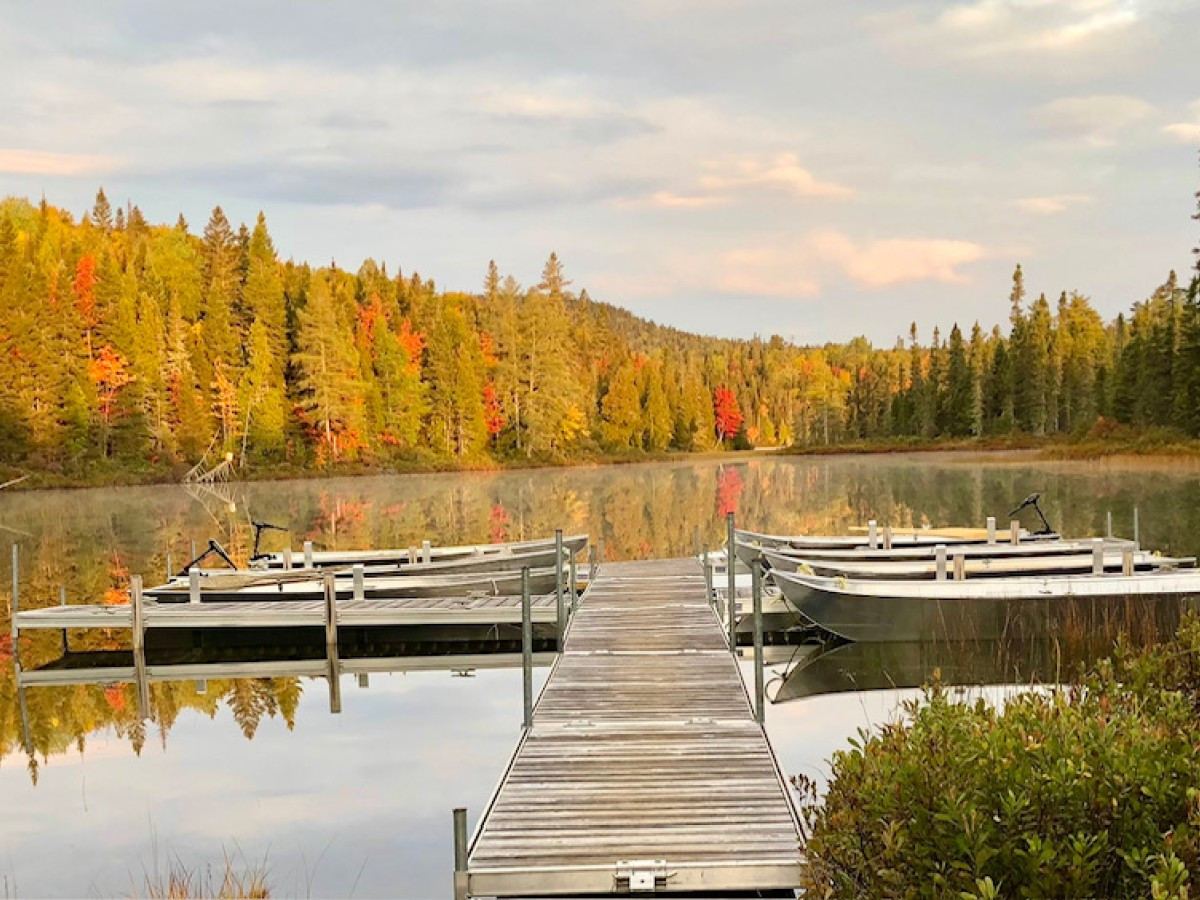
811, 168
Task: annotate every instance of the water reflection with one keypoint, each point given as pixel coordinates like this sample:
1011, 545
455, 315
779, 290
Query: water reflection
111, 771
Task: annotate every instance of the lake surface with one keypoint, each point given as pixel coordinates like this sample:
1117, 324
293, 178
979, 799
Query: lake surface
360, 802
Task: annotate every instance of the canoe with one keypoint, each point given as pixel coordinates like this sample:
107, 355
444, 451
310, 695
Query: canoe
984, 608
1077, 563
748, 545
403, 556
309, 585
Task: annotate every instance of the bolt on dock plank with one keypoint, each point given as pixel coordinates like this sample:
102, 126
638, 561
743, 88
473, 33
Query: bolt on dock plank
645, 768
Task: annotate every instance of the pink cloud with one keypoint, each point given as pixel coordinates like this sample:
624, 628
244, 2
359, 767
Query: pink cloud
895, 261
38, 162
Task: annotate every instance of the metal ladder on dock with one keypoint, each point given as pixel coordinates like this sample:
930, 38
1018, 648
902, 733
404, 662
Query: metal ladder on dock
644, 769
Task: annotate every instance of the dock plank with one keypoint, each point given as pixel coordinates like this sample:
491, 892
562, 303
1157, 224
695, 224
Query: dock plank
644, 747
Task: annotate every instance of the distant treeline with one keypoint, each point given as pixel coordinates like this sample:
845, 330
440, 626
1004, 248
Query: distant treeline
143, 347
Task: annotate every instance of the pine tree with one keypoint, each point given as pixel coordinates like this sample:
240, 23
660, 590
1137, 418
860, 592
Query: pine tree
656, 412
620, 408
454, 369
101, 215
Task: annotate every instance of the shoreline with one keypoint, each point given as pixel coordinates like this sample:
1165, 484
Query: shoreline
1142, 451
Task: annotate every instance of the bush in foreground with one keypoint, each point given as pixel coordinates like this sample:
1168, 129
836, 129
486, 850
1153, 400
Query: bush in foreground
1091, 790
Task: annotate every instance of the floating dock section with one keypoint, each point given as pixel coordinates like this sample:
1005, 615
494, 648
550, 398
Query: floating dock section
644, 767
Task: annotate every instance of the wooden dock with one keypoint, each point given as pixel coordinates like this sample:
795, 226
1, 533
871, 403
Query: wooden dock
644, 768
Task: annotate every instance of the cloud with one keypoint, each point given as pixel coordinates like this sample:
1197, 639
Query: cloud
801, 268
1078, 36
1187, 131
746, 177
1049, 205
897, 260
39, 162
1096, 120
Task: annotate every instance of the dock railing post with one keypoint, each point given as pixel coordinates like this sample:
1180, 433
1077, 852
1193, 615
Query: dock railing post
1108, 523
426, 551
308, 555
1014, 532
331, 613
731, 579
526, 649
1097, 556
138, 622
573, 581
558, 586
872, 534
760, 711
193, 586
887, 537
939, 555
1137, 530
599, 553
359, 577
460, 853
991, 529
708, 579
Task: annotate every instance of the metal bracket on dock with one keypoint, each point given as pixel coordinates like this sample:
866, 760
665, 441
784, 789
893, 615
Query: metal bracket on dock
640, 876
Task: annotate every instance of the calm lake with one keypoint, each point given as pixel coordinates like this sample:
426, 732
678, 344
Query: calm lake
360, 802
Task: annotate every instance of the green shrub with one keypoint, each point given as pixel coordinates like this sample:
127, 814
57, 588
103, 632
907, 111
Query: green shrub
1089, 790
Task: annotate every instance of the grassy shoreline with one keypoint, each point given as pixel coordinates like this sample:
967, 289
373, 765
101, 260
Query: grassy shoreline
1152, 443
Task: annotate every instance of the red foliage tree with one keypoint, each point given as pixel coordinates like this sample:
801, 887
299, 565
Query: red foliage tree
493, 414
727, 414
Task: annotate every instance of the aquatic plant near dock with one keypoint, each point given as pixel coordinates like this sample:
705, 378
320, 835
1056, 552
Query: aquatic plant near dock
1089, 790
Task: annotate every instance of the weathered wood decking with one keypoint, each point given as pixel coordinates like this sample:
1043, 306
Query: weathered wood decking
644, 768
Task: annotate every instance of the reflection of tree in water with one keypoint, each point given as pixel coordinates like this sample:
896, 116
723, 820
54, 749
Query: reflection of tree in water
90, 540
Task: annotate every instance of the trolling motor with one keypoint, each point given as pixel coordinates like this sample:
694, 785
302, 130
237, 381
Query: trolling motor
1034, 500
259, 528
213, 548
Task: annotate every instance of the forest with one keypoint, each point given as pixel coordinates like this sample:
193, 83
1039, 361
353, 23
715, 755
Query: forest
128, 348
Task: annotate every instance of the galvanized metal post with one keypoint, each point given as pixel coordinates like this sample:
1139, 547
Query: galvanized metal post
331, 613
1014, 532
460, 854
708, 579
872, 533
731, 579
1127, 560
558, 586
308, 555
526, 649
170, 568
760, 711
426, 551
573, 581
887, 537
1097, 556
193, 586
939, 555
1137, 530
1108, 522
359, 578
991, 529
138, 624
333, 670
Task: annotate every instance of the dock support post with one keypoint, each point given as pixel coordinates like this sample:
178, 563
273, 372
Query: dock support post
1097, 556
426, 551
939, 555
599, 554
760, 711
1108, 523
193, 586
1137, 531
887, 537
1014, 532
308, 555
991, 529
287, 559
333, 664
460, 853
138, 623
15, 603
731, 579
573, 581
1126, 560
708, 579
62, 601
558, 586
526, 649
960, 567
872, 533
359, 575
